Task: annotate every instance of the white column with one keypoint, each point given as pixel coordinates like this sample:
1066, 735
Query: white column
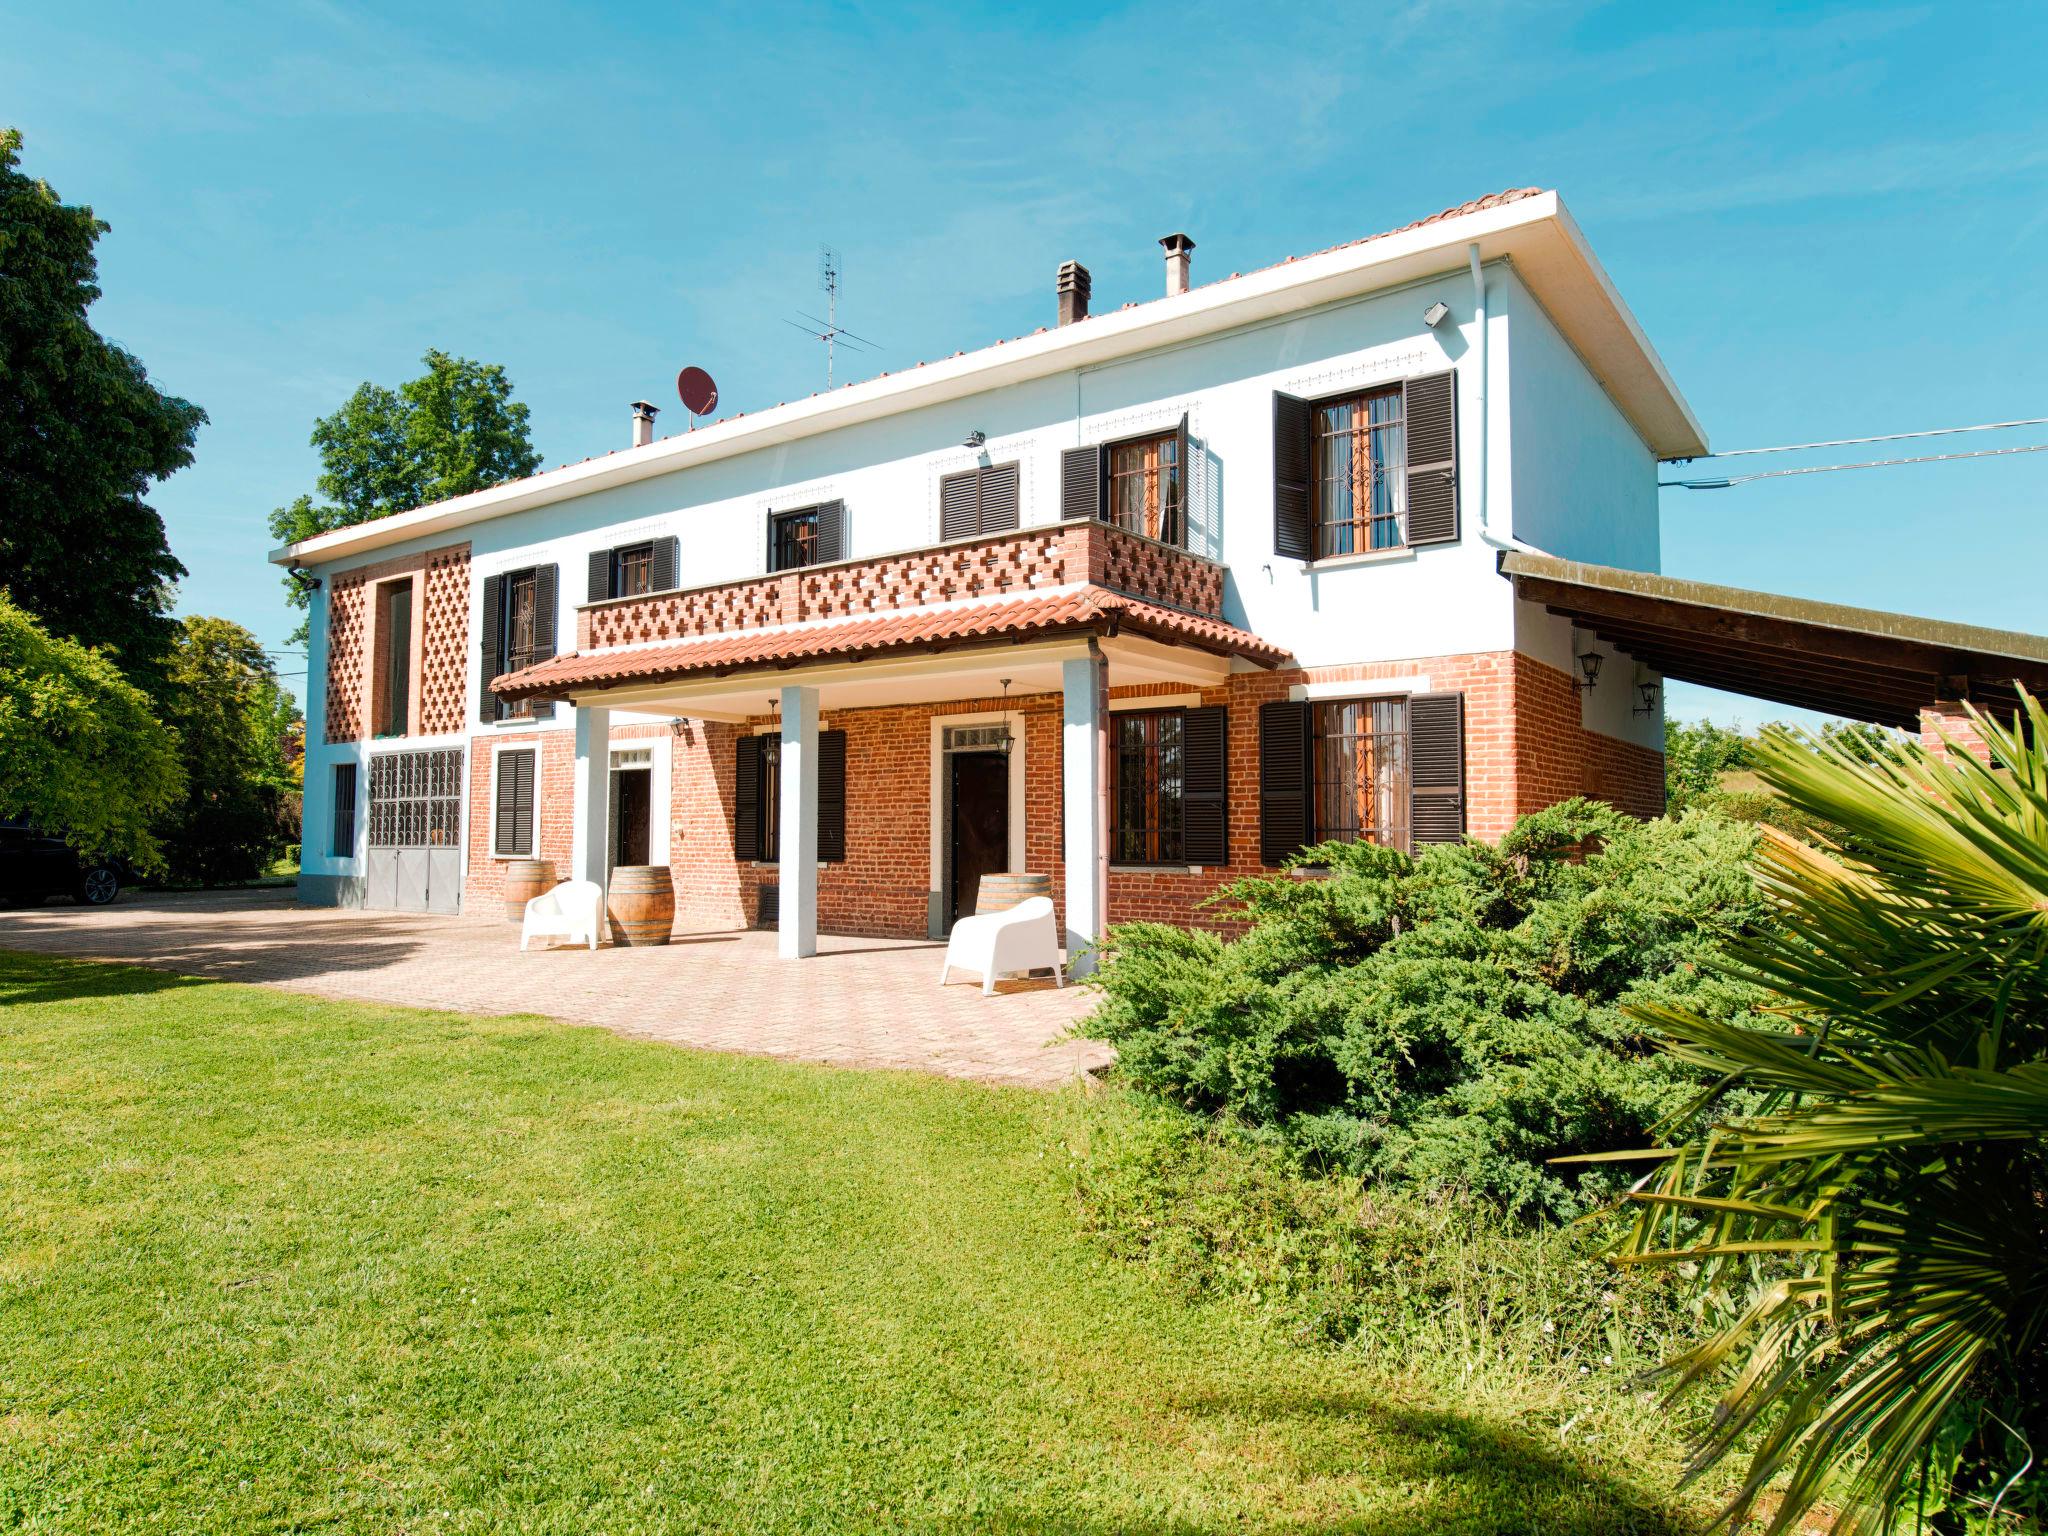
797, 933
590, 839
1084, 761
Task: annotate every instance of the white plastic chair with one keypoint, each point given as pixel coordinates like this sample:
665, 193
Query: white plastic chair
570, 911
1024, 938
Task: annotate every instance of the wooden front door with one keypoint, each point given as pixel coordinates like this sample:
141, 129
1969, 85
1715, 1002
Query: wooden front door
632, 796
978, 840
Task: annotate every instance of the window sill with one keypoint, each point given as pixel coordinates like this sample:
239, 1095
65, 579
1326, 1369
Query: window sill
1366, 557
1158, 869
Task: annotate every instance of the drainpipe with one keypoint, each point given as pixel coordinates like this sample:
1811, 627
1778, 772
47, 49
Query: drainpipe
1487, 533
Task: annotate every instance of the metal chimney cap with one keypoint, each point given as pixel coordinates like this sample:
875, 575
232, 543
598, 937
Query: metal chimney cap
1177, 244
646, 409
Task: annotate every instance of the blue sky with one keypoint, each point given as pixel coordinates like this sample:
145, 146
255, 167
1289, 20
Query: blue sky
1831, 220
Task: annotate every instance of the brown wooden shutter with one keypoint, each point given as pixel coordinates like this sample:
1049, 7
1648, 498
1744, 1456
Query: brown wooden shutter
832, 797
1293, 464
1185, 475
662, 576
960, 505
746, 800
1081, 483
1284, 741
1436, 768
1205, 781
999, 498
831, 543
493, 648
600, 576
512, 836
1429, 408
768, 559
546, 599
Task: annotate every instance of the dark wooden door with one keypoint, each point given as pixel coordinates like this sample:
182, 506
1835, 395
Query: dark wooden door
979, 789
631, 807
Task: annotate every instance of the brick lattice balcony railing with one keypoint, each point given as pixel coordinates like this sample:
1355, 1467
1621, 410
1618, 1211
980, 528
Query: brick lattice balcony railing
995, 565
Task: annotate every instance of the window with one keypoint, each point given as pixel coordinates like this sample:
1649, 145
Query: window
519, 635
1360, 459
512, 805
341, 840
1147, 786
976, 501
793, 539
632, 570
1359, 771
1144, 480
757, 798
416, 799
393, 682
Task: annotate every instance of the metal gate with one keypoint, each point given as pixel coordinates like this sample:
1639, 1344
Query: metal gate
414, 860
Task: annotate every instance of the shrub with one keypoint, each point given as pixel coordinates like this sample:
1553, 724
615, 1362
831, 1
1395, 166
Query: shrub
1453, 1020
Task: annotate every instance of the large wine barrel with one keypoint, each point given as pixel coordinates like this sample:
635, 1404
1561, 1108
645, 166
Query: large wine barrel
999, 893
641, 904
524, 880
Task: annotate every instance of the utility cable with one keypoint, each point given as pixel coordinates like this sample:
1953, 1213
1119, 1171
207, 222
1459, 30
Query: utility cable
1823, 469
1852, 442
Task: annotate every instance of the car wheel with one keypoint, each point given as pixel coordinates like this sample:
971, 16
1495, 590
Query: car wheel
100, 886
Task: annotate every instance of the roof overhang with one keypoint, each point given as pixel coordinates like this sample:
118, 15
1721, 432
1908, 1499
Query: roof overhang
1534, 231
1860, 662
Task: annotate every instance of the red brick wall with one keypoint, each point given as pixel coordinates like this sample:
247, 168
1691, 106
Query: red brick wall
440, 642
1524, 749
1946, 718
483, 888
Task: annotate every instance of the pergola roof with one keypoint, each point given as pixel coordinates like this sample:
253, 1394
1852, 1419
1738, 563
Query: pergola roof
1860, 662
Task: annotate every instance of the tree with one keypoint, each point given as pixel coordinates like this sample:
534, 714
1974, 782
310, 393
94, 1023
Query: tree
1873, 1240
83, 434
452, 430
1696, 754
82, 754
235, 722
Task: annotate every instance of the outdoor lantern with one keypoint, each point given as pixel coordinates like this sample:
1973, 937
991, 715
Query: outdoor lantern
1648, 689
1004, 741
1589, 663
771, 749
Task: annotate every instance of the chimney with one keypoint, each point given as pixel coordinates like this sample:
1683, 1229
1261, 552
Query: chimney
1177, 249
1074, 285
643, 423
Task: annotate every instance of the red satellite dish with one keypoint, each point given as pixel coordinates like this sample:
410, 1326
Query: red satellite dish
699, 391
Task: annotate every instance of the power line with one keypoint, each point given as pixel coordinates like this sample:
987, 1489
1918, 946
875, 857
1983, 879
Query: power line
1852, 442
1824, 469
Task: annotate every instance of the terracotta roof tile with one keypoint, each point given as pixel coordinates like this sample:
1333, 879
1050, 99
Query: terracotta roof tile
1091, 609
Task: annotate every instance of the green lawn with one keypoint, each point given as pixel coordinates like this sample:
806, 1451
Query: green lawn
273, 1264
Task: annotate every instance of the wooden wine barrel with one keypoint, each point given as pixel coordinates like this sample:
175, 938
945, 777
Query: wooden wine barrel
641, 904
999, 893
524, 880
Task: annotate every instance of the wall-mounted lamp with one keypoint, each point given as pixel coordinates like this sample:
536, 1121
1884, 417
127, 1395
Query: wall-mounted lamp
975, 439
1436, 314
303, 579
1589, 661
1649, 692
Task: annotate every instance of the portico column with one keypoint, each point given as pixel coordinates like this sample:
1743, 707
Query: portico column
1084, 761
797, 928
590, 837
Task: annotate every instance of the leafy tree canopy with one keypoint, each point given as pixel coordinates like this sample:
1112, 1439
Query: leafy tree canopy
82, 753
235, 725
83, 433
452, 430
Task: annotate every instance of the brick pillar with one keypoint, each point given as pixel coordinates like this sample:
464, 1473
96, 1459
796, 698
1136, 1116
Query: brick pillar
1945, 717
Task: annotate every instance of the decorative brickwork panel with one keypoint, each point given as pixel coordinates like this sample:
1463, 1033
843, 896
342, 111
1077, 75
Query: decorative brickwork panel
1159, 573
444, 653
997, 567
347, 615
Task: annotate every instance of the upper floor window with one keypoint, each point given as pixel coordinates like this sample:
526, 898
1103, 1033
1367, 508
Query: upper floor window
519, 634
1359, 771
806, 536
392, 686
632, 570
979, 500
1144, 479
1360, 464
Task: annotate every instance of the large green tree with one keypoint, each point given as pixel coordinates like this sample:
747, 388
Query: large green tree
83, 434
452, 430
82, 752
234, 721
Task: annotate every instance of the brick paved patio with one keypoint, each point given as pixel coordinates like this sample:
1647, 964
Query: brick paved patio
859, 1002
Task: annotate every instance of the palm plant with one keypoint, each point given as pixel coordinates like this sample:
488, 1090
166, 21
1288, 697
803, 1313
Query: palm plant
1870, 1248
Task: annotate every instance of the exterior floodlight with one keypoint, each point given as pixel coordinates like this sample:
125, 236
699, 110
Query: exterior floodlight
1436, 314
975, 439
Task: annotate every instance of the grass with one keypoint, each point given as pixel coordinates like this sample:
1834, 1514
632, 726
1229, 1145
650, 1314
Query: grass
276, 1264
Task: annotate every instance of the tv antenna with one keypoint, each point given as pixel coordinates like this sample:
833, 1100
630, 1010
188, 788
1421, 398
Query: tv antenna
829, 330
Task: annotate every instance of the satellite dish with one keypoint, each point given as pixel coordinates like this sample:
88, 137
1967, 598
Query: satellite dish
698, 390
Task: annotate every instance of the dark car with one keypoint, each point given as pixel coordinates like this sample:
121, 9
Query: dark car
33, 868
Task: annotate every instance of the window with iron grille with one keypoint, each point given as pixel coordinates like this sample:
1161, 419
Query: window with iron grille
1359, 485
1360, 771
519, 635
341, 841
1147, 787
416, 799
795, 539
1144, 485
633, 570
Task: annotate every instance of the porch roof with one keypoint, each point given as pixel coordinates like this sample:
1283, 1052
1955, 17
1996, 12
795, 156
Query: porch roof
1077, 610
1861, 662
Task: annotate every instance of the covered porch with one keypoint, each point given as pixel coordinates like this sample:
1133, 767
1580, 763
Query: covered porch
929, 745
